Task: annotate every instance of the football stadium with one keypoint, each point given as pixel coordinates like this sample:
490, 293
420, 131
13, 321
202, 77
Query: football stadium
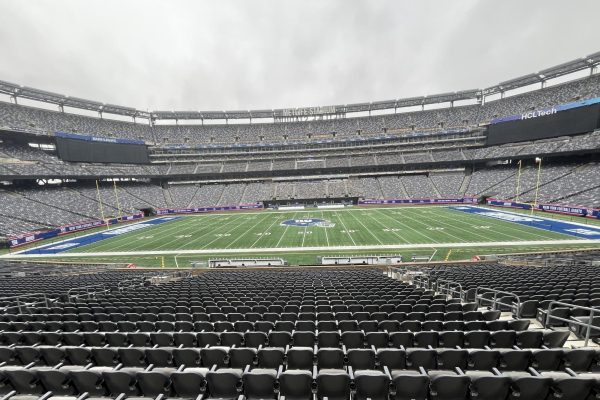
437, 246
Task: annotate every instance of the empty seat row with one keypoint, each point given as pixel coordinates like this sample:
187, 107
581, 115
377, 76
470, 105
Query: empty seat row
390, 325
401, 304
350, 339
303, 357
334, 384
577, 283
25, 319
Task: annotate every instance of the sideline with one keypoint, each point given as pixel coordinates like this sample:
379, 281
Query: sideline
303, 249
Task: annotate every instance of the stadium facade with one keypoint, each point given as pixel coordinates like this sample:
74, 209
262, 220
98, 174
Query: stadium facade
57, 166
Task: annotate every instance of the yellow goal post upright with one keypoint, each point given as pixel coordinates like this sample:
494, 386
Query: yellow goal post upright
100, 203
538, 161
119, 215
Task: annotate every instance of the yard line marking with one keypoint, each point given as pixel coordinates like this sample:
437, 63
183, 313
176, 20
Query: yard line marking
409, 227
209, 231
244, 234
368, 230
96, 231
509, 226
445, 232
346, 229
285, 230
387, 227
456, 222
469, 231
448, 255
275, 220
217, 221
434, 252
212, 231
124, 240
220, 224
304, 232
326, 234
435, 221
516, 227
184, 227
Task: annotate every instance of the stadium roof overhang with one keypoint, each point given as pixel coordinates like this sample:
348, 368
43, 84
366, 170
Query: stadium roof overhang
546, 74
473, 94
583, 63
25, 92
525, 80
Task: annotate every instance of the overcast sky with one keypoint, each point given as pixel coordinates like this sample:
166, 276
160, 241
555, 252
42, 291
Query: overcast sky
255, 54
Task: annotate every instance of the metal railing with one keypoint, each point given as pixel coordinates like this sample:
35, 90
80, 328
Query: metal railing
423, 281
395, 270
86, 292
156, 279
589, 326
449, 288
479, 298
24, 301
417, 275
131, 283
170, 277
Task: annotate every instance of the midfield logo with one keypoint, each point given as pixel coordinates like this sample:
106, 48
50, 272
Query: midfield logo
303, 223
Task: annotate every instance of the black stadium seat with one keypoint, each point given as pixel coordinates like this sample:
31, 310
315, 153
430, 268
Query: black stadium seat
334, 333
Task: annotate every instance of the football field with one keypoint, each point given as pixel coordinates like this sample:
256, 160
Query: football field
344, 227
300, 236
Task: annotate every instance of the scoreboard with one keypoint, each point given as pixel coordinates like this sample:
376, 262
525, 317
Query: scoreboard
544, 124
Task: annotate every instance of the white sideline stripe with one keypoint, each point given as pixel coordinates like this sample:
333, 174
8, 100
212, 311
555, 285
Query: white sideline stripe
316, 248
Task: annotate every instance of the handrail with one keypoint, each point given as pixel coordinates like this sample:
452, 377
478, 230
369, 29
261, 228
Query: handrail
589, 325
394, 270
411, 268
495, 301
164, 278
187, 275
130, 283
422, 281
141, 280
449, 288
88, 293
421, 276
21, 303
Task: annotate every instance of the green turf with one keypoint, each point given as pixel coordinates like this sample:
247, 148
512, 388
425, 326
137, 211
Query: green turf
353, 227
260, 234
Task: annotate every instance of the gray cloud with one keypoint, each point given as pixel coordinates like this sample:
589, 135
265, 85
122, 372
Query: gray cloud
248, 54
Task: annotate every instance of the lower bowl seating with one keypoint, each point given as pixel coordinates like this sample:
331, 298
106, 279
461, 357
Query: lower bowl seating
299, 334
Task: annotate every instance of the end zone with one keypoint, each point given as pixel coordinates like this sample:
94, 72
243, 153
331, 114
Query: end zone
73, 243
547, 224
